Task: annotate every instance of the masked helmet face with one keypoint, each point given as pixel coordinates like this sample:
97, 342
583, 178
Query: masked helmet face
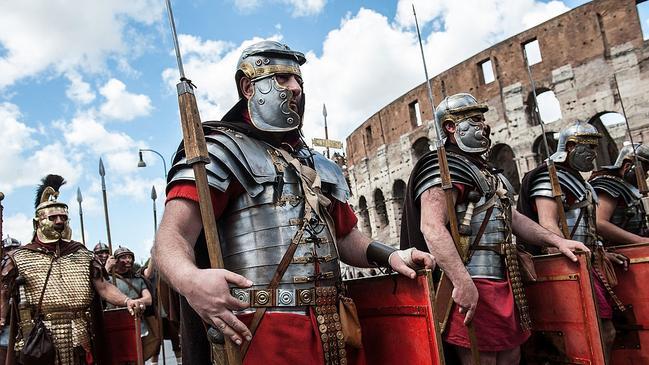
581, 158
471, 131
270, 104
47, 228
585, 138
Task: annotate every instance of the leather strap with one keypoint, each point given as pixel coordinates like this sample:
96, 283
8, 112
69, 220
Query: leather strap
574, 228
478, 236
47, 278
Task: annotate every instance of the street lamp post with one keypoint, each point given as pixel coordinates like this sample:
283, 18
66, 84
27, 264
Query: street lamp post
141, 163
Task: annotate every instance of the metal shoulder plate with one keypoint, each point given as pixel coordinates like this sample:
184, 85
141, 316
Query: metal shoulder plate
461, 169
332, 177
570, 184
232, 155
616, 187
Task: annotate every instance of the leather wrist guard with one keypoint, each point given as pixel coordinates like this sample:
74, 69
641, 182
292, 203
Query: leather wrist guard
378, 254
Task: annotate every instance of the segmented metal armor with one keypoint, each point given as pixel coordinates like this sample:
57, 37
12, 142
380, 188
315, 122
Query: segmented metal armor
487, 260
580, 215
66, 302
631, 215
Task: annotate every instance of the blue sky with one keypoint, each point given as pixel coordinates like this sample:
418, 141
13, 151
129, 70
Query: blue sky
83, 79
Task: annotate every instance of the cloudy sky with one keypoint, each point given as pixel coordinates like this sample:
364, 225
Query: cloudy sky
84, 79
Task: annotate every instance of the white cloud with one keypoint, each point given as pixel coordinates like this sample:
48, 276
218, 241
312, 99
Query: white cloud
121, 104
86, 131
19, 226
79, 90
541, 12
62, 36
140, 188
299, 8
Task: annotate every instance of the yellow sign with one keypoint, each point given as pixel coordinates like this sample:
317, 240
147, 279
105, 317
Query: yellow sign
327, 143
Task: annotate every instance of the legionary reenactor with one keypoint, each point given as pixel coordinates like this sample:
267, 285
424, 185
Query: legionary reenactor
268, 189
9, 245
487, 288
101, 252
55, 279
621, 218
576, 152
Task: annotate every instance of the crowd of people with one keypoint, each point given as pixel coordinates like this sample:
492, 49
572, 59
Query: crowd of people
285, 225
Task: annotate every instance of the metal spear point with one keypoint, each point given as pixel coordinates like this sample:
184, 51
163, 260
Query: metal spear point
324, 114
102, 173
79, 200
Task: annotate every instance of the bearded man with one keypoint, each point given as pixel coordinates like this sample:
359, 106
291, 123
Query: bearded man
65, 275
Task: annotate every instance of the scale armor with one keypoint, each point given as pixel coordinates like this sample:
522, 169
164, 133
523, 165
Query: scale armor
66, 302
631, 215
585, 198
259, 225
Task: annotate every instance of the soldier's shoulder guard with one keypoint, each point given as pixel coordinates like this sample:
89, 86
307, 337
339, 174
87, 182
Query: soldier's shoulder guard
232, 155
570, 184
616, 187
332, 177
461, 169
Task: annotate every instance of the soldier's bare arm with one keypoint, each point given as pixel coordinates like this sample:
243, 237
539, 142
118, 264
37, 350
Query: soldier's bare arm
353, 251
206, 290
610, 231
535, 234
548, 217
146, 297
440, 243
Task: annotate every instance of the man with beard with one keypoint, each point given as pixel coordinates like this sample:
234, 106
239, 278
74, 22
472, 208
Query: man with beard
101, 252
621, 218
67, 294
271, 194
482, 286
575, 154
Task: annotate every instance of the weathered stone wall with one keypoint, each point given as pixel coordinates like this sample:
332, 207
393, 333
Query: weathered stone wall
581, 50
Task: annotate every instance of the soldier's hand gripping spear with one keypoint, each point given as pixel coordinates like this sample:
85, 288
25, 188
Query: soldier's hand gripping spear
557, 194
443, 298
197, 156
640, 176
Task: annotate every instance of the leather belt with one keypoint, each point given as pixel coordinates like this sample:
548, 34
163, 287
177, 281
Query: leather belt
65, 315
257, 298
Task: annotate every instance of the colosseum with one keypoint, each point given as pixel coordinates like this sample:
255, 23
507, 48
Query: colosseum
579, 60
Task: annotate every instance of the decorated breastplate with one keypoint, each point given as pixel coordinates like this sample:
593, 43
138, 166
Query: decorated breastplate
67, 299
256, 232
486, 255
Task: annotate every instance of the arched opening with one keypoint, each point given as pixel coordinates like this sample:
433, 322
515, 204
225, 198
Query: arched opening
420, 148
381, 210
549, 107
364, 216
502, 156
607, 149
398, 194
538, 147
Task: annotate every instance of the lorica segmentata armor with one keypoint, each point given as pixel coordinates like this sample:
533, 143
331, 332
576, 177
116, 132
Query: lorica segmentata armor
629, 215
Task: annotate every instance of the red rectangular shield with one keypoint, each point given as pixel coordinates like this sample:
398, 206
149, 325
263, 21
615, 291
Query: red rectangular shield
122, 331
397, 319
632, 339
565, 325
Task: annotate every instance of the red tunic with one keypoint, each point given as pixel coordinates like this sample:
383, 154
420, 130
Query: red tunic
281, 338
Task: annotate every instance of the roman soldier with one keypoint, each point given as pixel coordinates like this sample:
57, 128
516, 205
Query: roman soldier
576, 151
271, 194
101, 252
487, 288
56, 278
621, 218
9, 244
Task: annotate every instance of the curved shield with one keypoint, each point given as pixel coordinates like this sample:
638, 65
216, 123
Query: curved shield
565, 325
632, 339
397, 319
123, 335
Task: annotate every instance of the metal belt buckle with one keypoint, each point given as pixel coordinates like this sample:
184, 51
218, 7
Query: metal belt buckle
305, 297
285, 298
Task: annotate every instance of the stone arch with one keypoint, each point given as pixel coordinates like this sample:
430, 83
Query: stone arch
380, 209
549, 106
364, 214
420, 148
398, 194
502, 156
607, 149
538, 147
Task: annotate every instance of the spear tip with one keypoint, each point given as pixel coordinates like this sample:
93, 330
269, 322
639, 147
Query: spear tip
154, 195
324, 110
102, 171
79, 197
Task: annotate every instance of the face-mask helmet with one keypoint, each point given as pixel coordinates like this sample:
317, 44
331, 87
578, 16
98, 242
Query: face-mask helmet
47, 208
627, 154
471, 135
586, 138
269, 105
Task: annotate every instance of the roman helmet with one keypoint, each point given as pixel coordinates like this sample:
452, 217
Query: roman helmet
470, 135
9, 243
626, 155
100, 247
48, 206
269, 104
585, 136
123, 251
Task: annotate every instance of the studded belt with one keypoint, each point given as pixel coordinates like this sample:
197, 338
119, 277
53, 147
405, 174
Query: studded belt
276, 297
65, 315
